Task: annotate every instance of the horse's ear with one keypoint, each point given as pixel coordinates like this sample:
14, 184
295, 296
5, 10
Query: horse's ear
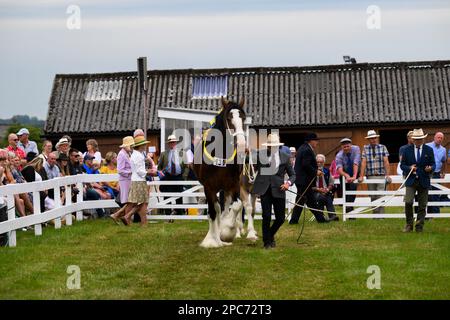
224, 101
242, 102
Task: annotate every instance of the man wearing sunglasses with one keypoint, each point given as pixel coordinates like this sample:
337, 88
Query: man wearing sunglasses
13, 141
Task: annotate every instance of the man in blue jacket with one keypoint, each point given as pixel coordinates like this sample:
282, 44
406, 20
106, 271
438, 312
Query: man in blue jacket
418, 158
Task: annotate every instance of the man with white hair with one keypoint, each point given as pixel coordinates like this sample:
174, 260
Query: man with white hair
25, 143
324, 189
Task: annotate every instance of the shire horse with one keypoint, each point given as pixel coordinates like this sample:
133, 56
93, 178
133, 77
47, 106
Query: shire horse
219, 171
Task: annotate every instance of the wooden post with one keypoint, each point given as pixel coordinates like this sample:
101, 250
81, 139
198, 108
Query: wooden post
79, 200
143, 88
37, 210
68, 203
57, 205
11, 216
344, 202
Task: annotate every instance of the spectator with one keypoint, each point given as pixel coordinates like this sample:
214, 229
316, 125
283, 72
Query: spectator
402, 149
293, 152
17, 176
34, 172
348, 161
52, 171
375, 165
335, 174
173, 168
440, 157
418, 159
89, 168
63, 146
47, 148
63, 164
13, 141
110, 167
75, 168
26, 144
7, 178
324, 189
92, 150
3, 162
285, 149
139, 194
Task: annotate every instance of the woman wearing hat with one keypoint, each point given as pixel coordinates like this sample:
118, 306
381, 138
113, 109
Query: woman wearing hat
124, 171
138, 195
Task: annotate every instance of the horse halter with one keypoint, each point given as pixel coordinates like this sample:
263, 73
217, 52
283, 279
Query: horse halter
216, 161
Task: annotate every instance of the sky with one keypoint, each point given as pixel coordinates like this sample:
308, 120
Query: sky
41, 38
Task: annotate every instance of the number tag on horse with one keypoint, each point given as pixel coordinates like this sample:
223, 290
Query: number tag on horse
220, 162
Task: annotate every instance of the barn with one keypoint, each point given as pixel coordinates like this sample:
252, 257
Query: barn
335, 101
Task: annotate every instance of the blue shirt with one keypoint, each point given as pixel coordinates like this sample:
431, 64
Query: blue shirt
174, 157
440, 155
346, 161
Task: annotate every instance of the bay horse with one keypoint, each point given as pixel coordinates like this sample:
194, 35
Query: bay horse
219, 170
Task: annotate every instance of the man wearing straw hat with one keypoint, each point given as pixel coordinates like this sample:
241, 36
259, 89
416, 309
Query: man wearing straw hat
375, 165
418, 164
271, 187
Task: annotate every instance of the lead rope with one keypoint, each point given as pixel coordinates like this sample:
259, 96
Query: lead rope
323, 211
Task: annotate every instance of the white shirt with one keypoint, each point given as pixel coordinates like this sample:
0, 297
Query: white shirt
137, 161
37, 177
97, 156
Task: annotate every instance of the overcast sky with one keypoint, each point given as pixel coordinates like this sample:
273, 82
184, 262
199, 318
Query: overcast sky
37, 43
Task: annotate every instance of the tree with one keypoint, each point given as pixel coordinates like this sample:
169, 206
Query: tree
35, 134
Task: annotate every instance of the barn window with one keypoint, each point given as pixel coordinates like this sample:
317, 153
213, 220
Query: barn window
209, 87
103, 90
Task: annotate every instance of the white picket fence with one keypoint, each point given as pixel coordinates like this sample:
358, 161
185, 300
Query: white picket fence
190, 197
60, 211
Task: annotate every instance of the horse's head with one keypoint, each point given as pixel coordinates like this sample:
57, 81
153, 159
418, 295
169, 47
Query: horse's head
234, 117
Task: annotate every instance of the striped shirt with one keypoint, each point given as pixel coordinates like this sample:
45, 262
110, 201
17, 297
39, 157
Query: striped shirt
375, 159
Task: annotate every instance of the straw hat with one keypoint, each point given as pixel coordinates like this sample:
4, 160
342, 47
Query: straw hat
273, 141
172, 138
372, 134
139, 141
127, 142
418, 134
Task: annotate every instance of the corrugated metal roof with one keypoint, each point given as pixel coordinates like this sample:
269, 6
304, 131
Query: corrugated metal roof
336, 95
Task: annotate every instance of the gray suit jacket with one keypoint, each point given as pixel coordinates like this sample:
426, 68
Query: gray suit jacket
274, 180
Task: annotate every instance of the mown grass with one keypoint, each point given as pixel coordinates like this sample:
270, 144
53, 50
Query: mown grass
164, 261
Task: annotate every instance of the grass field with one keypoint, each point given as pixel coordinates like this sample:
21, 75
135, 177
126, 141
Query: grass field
164, 261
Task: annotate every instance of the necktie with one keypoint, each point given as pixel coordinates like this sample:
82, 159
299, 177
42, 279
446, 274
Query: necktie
173, 169
321, 182
273, 164
349, 164
418, 155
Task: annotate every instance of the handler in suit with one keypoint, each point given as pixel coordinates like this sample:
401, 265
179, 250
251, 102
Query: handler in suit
419, 158
271, 186
306, 171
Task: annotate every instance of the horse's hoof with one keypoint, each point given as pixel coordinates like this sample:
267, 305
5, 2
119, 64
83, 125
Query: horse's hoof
211, 243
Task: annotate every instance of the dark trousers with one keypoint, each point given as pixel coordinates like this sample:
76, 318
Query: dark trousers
422, 198
91, 194
310, 201
325, 201
349, 197
173, 189
436, 197
279, 206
